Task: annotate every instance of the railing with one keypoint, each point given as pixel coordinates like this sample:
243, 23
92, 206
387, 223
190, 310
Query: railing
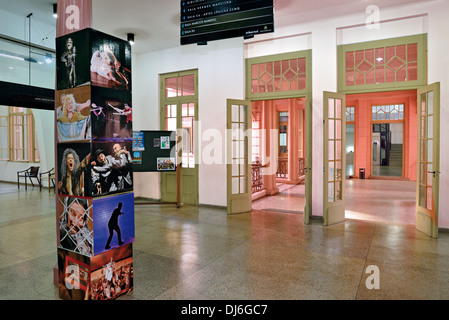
302, 165
282, 171
256, 177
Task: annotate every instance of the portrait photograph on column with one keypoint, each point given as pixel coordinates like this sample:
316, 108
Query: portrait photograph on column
72, 60
76, 225
74, 169
73, 114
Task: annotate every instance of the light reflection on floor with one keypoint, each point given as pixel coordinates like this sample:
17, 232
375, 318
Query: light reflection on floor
389, 201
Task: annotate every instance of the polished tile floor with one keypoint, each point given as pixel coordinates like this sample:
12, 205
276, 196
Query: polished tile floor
198, 253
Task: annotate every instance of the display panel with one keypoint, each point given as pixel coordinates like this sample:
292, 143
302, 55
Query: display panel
208, 20
154, 151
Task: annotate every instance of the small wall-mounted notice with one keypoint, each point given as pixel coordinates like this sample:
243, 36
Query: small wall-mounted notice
138, 141
165, 142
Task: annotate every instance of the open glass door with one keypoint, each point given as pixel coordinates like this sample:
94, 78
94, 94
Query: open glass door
427, 193
238, 156
308, 160
334, 163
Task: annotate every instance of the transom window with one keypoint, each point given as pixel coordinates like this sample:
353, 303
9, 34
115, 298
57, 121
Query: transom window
382, 65
278, 75
388, 112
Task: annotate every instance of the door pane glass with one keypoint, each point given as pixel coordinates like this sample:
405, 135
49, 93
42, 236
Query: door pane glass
429, 127
331, 129
338, 151
235, 168
422, 196
235, 113
338, 129
331, 106
235, 185
330, 192
331, 151
188, 85
171, 87
242, 114
331, 171
429, 200
338, 109
430, 103
243, 185
338, 191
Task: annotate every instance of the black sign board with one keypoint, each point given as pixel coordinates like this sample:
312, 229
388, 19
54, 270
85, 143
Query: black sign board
154, 151
208, 20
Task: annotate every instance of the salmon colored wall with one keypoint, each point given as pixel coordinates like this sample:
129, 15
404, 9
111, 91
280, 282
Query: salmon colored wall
363, 127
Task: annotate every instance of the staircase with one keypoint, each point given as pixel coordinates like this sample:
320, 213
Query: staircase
396, 155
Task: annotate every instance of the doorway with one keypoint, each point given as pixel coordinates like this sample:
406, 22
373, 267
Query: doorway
381, 152
279, 138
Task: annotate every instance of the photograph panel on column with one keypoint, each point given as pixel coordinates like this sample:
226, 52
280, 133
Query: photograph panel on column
110, 62
112, 170
111, 115
113, 218
73, 119
112, 273
73, 275
75, 221
72, 60
74, 169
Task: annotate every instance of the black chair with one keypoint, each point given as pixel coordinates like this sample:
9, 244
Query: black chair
31, 172
51, 178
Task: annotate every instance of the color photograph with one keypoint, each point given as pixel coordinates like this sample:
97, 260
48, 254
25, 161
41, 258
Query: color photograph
76, 225
73, 176
166, 164
112, 273
113, 222
73, 275
73, 114
72, 62
111, 165
111, 115
110, 62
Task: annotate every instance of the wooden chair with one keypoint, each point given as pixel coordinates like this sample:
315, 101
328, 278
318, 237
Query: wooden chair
50, 176
31, 172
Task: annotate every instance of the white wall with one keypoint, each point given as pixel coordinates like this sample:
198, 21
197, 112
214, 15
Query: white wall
221, 76
220, 67
430, 17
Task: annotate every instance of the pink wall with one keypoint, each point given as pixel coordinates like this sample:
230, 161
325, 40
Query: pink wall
363, 127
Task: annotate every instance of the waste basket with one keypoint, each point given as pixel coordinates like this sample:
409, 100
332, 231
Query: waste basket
362, 173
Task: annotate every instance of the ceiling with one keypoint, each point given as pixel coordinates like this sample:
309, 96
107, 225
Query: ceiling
155, 23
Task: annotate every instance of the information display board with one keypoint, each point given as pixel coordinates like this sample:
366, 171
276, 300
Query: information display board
154, 151
208, 20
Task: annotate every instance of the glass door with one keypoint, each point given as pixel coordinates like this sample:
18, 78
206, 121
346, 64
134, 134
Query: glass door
427, 184
239, 123
334, 157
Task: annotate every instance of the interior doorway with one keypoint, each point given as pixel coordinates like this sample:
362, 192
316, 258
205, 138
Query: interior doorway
381, 156
279, 155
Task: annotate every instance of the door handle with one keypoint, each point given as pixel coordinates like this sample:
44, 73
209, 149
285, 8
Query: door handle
434, 173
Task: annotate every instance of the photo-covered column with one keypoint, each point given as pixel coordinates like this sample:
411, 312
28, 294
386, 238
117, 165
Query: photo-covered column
93, 115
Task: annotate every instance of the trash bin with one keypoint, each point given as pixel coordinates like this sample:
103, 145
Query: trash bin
362, 173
